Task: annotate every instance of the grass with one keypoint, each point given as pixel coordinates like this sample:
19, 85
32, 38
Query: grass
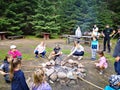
3, 51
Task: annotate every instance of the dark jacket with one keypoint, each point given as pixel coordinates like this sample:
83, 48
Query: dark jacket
18, 82
117, 49
5, 68
117, 67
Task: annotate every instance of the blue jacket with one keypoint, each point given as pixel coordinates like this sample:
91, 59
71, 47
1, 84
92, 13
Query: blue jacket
94, 44
5, 68
18, 82
117, 49
110, 88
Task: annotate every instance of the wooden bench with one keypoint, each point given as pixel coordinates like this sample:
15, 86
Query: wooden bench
16, 37
85, 39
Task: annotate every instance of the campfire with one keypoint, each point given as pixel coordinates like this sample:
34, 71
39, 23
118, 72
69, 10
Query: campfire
63, 71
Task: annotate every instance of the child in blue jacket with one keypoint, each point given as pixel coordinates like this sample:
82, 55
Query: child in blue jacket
114, 83
4, 68
17, 77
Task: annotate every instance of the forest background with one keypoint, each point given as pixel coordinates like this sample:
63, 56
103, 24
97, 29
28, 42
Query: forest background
33, 17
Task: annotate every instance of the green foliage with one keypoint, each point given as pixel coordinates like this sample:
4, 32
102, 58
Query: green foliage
45, 19
56, 16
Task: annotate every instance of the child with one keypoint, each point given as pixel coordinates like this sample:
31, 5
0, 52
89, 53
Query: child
14, 52
4, 68
56, 52
77, 50
94, 48
17, 76
114, 82
39, 81
102, 62
40, 49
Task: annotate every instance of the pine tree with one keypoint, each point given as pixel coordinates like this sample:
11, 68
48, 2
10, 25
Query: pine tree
46, 18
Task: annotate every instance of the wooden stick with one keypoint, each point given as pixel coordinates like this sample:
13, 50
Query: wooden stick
32, 66
90, 83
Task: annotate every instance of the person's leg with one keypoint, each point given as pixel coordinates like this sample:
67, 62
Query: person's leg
43, 54
101, 69
81, 54
52, 54
36, 54
104, 44
93, 54
108, 44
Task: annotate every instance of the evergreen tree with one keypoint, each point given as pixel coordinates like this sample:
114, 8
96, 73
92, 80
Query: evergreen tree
46, 18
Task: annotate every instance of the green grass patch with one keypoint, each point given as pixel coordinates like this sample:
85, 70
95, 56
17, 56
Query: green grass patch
3, 53
27, 56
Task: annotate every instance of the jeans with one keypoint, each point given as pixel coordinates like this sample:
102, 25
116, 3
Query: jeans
94, 51
43, 53
78, 53
117, 67
107, 40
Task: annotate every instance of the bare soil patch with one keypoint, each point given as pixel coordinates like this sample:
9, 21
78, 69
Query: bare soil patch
27, 46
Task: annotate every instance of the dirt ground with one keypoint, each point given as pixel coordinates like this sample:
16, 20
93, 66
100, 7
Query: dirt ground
26, 46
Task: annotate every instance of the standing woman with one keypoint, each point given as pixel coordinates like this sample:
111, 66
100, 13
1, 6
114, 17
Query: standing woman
40, 49
95, 33
116, 55
17, 76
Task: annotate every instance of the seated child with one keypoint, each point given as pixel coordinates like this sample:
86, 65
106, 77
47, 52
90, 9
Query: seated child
102, 64
56, 52
39, 81
114, 83
14, 52
40, 49
4, 68
77, 50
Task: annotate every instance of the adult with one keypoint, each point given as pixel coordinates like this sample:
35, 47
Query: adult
40, 49
78, 33
116, 54
95, 33
77, 50
14, 52
107, 33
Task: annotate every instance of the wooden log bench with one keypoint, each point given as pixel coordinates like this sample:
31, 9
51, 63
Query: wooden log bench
85, 39
16, 37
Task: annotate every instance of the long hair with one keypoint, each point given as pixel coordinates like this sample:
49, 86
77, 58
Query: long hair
14, 64
39, 77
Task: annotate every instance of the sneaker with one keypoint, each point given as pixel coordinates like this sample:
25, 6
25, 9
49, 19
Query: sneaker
93, 58
36, 57
101, 72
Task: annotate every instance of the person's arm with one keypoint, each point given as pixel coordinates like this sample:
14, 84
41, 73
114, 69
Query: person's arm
1, 70
103, 33
72, 51
112, 33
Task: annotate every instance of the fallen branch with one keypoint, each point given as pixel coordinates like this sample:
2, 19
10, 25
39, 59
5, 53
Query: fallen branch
32, 66
91, 83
